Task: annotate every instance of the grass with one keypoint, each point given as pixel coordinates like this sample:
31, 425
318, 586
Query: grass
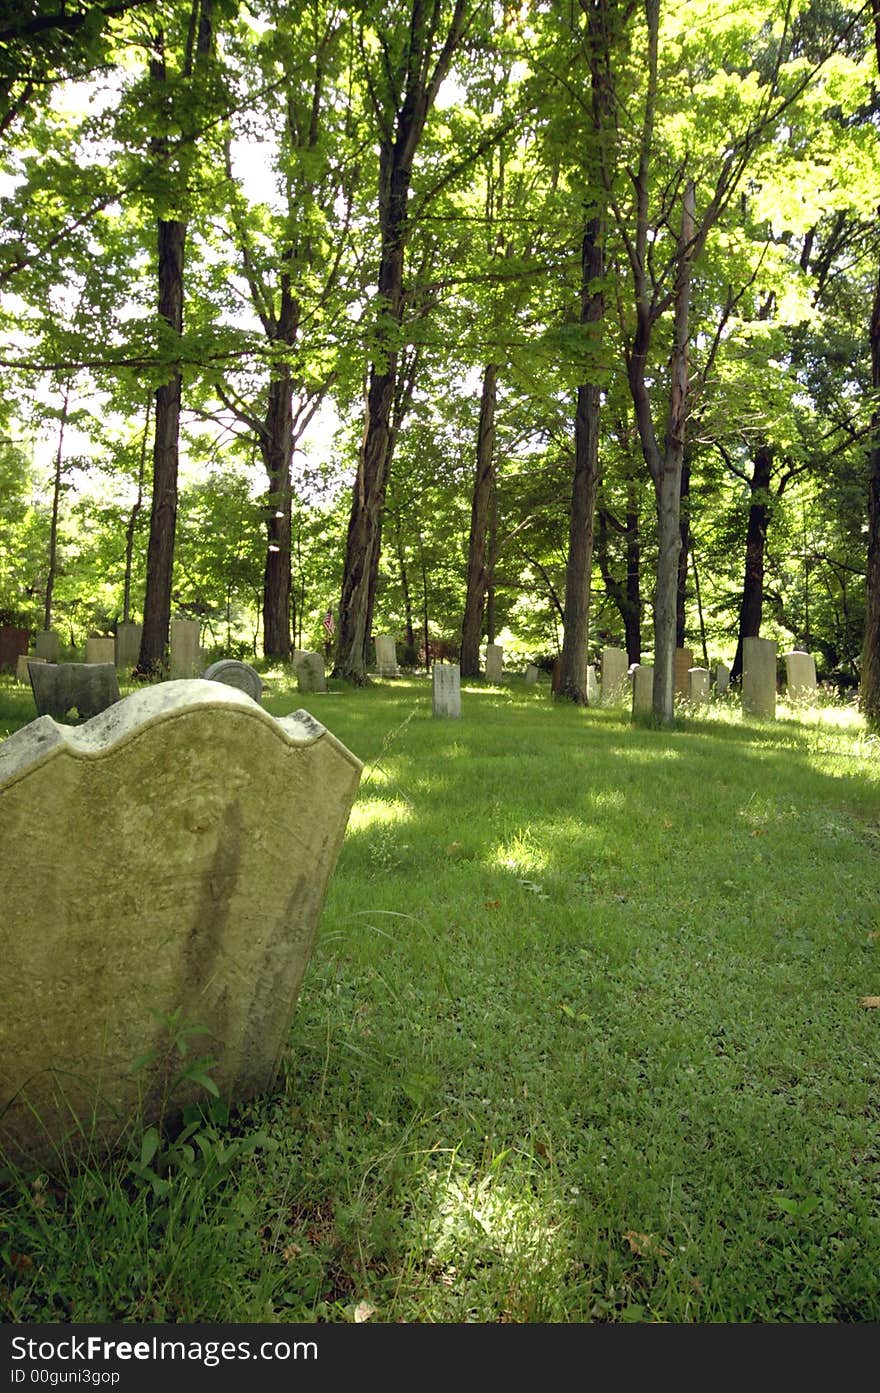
582, 1039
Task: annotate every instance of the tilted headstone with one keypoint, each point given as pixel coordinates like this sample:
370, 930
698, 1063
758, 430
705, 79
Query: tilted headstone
60, 687
494, 662
800, 675
682, 664
101, 650
21, 669
128, 645
386, 656
310, 676
186, 656
759, 677
47, 645
615, 676
446, 689
236, 674
163, 905
531, 675
698, 686
722, 678
13, 643
643, 689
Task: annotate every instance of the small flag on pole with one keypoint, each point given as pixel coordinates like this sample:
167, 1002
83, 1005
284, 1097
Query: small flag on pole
328, 623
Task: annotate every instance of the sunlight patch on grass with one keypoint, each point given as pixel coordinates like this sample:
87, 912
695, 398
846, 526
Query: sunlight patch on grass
369, 812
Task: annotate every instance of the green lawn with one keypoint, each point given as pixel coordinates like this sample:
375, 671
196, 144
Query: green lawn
582, 1039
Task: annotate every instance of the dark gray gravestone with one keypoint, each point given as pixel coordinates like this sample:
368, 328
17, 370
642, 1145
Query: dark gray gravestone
236, 674
59, 687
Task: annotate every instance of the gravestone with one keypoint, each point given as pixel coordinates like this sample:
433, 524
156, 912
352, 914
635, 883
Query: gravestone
186, 657
310, 672
47, 645
21, 669
161, 898
759, 677
446, 689
13, 643
494, 662
101, 650
59, 687
128, 645
386, 656
682, 664
594, 691
236, 674
643, 689
722, 678
615, 676
531, 675
800, 676
698, 686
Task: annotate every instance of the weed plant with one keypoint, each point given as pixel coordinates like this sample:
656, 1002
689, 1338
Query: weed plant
586, 1036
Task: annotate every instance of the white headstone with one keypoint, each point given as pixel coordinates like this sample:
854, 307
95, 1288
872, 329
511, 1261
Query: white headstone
722, 678
446, 689
594, 691
759, 677
643, 689
531, 675
698, 685
615, 676
310, 672
185, 652
386, 656
494, 662
800, 675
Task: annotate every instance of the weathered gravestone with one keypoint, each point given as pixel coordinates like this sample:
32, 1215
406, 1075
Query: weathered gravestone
236, 674
494, 662
800, 675
101, 650
683, 661
164, 903
128, 645
698, 686
13, 643
61, 687
386, 656
594, 691
47, 645
309, 669
643, 689
531, 675
185, 657
615, 675
759, 677
21, 668
446, 689
722, 678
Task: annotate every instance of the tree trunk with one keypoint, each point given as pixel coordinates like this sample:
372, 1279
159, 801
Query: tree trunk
632, 612
478, 561
869, 692
132, 521
56, 505
276, 446
685, 530
752, 603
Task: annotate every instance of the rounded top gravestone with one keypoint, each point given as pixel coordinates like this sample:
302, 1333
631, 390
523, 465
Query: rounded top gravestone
236, 674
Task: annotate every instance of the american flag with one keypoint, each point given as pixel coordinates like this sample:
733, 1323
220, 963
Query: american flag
328, 623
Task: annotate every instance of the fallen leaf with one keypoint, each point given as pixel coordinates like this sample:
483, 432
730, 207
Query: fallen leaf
758, 832
870, 1001
362, 1311
645, 1245
492, 904
874, 933
452, 848
21, 1261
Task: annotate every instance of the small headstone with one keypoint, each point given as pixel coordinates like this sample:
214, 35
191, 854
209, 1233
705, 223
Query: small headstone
163, 900
47, 645
186, 655
759, 677
800, 676
643, 689
310, 672
13, 643
446, 689
615, 675
698, 686
101, 650
594, 691
722, 678
683, 662
61, 687
386, 656
236, 674
494, 662
531, 675
21, 669
128, 645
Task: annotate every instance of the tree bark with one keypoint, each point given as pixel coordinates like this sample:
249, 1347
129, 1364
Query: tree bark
869, 691
752, 603
276, 447
132, 520
56, 505
478, 560
683, 555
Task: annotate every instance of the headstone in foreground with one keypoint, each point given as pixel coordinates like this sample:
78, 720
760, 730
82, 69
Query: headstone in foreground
446, 689
163, 899
615, 675
800, 676
494, 662
47, 645
309, 669
386, 656
58, 688
759, 677
698, 686
13, 644
236, 674
128, 645
643, 689
185, 654
101, 650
